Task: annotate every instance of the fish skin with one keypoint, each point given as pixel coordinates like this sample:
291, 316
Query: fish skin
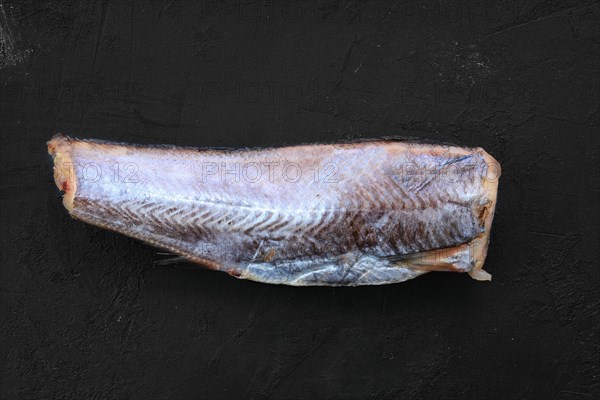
347, 214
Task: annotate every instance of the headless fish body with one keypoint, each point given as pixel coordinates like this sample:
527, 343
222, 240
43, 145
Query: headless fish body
363, 213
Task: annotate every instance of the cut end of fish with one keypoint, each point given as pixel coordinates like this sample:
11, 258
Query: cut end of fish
485, 211
59, 147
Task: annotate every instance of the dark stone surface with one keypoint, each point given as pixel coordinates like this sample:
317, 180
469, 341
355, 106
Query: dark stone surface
87, 313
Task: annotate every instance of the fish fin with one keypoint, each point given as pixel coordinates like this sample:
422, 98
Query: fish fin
461, 258
348, 270
480, 275
171, 260
454, 259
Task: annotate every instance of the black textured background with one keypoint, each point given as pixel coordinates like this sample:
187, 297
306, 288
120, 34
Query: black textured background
87, 314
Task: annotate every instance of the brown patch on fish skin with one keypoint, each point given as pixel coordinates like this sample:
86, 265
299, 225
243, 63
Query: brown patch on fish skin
235, 273
269, 256
483, 212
